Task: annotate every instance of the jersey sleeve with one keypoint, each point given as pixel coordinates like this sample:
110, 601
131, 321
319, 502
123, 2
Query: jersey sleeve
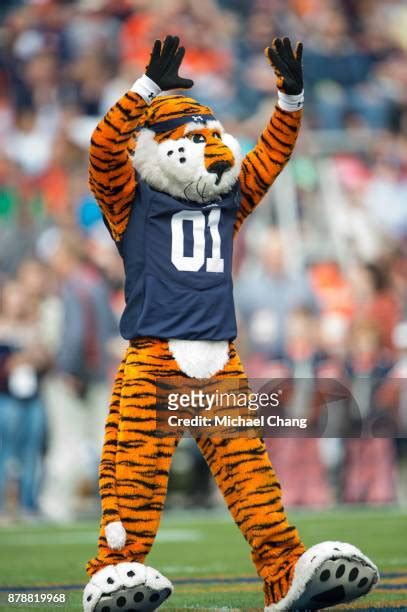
112, 178
263, 164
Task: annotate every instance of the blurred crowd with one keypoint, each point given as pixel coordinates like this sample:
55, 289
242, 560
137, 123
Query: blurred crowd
320, 269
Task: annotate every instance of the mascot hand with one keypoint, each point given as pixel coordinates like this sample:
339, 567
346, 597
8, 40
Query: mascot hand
287, 65
165, 61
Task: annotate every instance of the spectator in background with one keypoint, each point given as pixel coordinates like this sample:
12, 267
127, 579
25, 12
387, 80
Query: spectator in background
77, 393
300, 366
26, 138
40, 285
339, 72
386, 193
395, 396
23, 360
267, 294
374, 299
365, 478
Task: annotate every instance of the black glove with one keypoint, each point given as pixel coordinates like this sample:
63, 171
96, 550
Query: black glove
165, 61
287, 65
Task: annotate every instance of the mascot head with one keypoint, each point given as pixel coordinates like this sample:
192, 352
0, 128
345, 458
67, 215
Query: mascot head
182, 150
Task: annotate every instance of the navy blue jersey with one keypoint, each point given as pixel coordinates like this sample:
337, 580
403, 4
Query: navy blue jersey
178, 264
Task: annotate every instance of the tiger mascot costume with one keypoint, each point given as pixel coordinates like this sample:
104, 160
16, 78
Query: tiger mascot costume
157, 161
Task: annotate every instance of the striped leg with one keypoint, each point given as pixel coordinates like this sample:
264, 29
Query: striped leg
135, 468
107, 471
244, 474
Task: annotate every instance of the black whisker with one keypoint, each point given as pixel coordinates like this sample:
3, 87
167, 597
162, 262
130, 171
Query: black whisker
185, 189
197, 188
203, 192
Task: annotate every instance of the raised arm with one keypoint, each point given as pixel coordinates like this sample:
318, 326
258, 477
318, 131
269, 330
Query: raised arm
111, 173
112, 177
263, 164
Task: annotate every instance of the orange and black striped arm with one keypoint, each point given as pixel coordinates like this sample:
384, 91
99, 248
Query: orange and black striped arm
112, 177
263, 164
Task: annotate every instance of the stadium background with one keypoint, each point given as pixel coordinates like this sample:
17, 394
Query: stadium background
320, 270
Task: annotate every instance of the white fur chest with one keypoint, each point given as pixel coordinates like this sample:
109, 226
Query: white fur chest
200, 358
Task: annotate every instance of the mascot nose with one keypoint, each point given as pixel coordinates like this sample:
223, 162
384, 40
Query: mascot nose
218, 168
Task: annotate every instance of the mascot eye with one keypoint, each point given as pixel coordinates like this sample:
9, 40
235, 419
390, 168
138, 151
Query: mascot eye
217, 135
198, 138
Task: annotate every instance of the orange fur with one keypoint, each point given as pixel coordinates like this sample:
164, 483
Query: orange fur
135, 466
111, 173
135, 463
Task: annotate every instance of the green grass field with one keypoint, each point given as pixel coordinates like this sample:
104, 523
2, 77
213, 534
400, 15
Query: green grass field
205, 556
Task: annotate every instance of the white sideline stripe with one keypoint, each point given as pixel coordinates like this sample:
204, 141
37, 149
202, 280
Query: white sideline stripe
56, 539
396, 561
188, 569
180, 535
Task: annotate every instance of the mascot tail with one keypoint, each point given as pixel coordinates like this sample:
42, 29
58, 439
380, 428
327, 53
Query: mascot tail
114, 530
